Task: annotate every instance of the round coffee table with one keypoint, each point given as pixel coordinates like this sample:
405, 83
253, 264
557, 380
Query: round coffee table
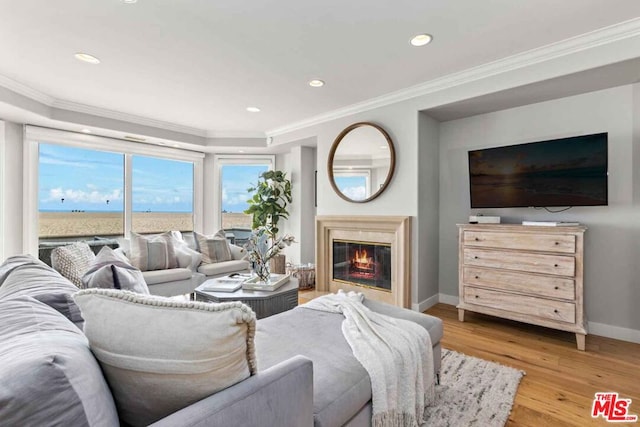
263, 303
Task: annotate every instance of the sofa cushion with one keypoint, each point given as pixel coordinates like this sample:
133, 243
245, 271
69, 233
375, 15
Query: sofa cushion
72, 261
341, 386
48, 375
152, 252
160, 355
224, 267
163, 276
113, 271
214, 248
24, 275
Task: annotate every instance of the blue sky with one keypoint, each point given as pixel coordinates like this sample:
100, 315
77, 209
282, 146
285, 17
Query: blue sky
354, 187
235, 181
75, 178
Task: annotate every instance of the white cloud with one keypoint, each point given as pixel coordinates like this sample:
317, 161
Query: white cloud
234, 197
92, 196
355, 193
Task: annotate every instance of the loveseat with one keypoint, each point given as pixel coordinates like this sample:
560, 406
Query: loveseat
306, 375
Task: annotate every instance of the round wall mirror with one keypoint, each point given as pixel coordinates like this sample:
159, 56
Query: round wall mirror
361, 162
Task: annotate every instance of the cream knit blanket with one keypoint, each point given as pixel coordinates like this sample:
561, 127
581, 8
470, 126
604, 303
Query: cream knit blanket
396, 353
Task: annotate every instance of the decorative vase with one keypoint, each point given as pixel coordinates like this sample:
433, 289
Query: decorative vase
262, 271
278, 264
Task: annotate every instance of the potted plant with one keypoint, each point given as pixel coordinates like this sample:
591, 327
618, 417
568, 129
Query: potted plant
268, 205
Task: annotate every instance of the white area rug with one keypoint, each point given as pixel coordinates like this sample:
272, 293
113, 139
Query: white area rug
472, 392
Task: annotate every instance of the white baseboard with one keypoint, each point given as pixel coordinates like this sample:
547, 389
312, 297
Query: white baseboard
616, 332
448, 299
425, 304
601, 329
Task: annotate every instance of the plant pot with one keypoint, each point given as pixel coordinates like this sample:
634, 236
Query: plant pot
278, 264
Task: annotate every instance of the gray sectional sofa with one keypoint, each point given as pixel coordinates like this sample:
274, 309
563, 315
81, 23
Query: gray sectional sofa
307, 372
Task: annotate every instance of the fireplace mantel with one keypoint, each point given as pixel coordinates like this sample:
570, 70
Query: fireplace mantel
394, 230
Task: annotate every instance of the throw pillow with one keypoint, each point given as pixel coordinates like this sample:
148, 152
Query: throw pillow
160, 355
72, 261
187, 257
213, 248
152, 252
48, 376
110, 270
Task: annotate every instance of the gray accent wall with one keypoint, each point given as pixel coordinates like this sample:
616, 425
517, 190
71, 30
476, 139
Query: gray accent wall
612, 243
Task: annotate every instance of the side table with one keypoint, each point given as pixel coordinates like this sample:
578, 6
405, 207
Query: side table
263, 303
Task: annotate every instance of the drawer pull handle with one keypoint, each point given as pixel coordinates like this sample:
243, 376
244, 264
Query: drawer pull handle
556, 288
557, 243
555, 265
477, 277
477, 240
475, 257
555, 311
476, 296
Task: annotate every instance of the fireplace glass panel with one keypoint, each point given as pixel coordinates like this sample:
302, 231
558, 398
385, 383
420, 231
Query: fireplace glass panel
362, 264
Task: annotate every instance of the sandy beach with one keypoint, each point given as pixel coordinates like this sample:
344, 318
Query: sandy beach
55, 225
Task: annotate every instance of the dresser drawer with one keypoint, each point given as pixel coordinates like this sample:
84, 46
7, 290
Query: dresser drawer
522, 304
561, 243
560, 265
544, 286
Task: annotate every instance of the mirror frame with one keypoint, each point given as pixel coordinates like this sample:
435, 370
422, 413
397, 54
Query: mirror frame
332, 153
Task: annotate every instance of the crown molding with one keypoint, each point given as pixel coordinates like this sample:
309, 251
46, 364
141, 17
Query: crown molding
219, 134
603, 36
24, 90
126, 117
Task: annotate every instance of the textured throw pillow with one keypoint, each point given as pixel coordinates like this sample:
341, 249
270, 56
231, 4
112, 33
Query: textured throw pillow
48, 376
213, 248
160, 355
72, 261
152, 252
187, 257
112, 271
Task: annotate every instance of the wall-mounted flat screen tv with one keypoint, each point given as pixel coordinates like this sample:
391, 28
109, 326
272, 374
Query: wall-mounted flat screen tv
559, 172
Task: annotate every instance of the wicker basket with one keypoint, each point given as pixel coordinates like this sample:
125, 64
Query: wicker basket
305, 273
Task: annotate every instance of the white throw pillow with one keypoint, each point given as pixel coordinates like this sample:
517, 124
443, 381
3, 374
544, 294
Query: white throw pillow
153, 252
213, 248
111, 270
161, 355
72, 261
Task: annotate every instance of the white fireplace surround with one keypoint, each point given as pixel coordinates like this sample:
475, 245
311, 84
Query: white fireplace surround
393, 230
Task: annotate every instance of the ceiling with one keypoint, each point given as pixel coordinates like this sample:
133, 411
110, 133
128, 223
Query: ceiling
197, 64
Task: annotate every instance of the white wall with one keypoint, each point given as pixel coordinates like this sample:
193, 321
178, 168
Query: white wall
612, 243
12, 200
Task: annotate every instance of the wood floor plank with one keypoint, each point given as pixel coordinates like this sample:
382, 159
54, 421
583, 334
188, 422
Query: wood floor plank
560, 383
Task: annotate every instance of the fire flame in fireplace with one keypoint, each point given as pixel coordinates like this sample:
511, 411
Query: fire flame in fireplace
362, 261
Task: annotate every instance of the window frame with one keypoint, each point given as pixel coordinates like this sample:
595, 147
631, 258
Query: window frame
35, 135
356, 172
220, 160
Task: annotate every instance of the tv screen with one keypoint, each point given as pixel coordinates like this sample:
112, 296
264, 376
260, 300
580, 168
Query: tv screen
559, 172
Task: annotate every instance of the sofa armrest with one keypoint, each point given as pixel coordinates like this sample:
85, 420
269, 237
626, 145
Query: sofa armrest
238, 252
279, 396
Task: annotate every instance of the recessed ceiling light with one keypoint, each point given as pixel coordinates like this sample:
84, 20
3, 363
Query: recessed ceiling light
85, 57
383, 147
253, 109
316, 83
86, 131
421, 39
135, 138
240, 151
129, 1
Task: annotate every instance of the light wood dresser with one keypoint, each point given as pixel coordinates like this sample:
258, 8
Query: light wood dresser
531, 274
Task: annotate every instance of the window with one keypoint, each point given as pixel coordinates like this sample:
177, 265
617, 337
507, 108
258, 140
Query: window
74, 190
162, 195
353, 184
81, 193
236, 174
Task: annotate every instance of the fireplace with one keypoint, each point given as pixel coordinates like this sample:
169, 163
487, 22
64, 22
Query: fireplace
366, 254
362, 263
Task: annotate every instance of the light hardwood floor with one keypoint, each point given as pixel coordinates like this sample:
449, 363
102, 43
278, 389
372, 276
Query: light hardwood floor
561, 381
